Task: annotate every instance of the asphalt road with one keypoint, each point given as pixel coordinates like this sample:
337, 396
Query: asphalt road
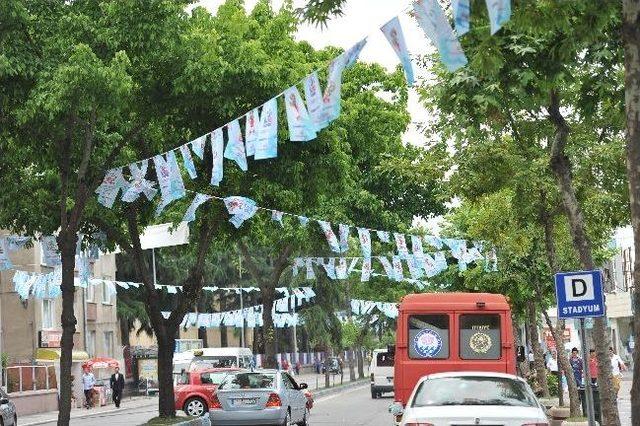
351, 407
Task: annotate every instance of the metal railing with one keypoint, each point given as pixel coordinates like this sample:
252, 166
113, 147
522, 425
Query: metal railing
25, 378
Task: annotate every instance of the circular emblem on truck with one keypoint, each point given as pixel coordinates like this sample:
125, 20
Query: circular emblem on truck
427, 343
480, 343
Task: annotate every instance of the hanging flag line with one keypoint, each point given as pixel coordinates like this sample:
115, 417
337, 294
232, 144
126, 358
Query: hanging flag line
305, 120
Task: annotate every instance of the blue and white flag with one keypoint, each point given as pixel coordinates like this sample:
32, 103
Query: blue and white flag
267, 143
416, 248
499, 13
383, 236
341, 269
301, 126
188, 161
401, 244
415, 265
50, 252
365, 242
5, 262
332, 93
84, 271
16, 242
343, 233
434, 23
198, 200
197, 145
330, 235
276, 216
393, 31
169, 179
458, 247
139, 184
461, 14
217, 164
303, 220
111, 185
251, 131
329, 266
386, 265
434, 241
366, 269
398, 273
235, 145
241, 209
351, 56
311, 275
315, 105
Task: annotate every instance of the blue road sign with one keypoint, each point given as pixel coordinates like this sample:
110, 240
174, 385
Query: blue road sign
579, 294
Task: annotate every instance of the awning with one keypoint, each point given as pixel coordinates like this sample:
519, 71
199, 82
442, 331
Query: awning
46, 354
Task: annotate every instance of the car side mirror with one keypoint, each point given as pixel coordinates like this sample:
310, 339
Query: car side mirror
396, 409
302, 386
4, 401
391, 349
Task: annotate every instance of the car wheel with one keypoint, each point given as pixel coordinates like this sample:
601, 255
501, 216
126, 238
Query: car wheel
195, 407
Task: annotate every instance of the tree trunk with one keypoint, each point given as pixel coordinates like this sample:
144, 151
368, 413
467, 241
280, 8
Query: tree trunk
538, 357
327, 381
631, 39
561, 167
67, 243
124, 332
352, 370
224, 340
268, 330
360, 362
563, 361
166, 346
202, 334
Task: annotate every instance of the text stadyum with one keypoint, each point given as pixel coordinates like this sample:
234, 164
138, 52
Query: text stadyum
580, 309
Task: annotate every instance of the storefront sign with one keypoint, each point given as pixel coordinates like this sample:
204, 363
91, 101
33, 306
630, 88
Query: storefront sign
49, 339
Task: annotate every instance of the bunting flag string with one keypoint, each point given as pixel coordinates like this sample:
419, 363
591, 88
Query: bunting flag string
364, 307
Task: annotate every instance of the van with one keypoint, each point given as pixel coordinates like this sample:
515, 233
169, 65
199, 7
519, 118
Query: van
212, 358
444, 332
381, 370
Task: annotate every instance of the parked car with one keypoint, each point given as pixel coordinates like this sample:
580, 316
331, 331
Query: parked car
8, 413
266, 397
334, 365
381, 369
478, 398
194, 390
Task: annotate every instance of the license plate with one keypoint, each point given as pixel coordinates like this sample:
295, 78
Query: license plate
244, 401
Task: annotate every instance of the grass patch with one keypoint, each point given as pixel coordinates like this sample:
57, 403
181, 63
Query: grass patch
171, 421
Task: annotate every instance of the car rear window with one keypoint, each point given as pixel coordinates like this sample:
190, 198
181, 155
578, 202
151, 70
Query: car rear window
428, 336
384, 359
480, 336
213, 378
249, 380
473, 390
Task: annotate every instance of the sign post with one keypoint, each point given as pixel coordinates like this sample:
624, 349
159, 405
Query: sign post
580, 295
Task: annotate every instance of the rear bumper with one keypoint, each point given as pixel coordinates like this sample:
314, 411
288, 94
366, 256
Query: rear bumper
382, 388
268, 416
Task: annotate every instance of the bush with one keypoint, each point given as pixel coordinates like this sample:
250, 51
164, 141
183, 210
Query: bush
552, 382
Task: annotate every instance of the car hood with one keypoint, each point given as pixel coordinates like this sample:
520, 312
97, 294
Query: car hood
467, 414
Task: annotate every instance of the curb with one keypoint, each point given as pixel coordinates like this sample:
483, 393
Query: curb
82, 416
340, 388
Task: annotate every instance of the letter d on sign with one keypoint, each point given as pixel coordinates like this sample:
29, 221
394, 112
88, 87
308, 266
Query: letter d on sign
578, 288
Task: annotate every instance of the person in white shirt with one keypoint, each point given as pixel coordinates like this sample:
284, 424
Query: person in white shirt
617, 367
88, 381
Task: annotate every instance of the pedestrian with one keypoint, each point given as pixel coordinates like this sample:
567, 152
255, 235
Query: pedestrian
318, 366
617, 367
532, 358
593, 366
88, 380
297, 367
117, 385
577, 365
285, 365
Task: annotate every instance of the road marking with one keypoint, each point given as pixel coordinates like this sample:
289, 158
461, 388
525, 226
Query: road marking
337, 394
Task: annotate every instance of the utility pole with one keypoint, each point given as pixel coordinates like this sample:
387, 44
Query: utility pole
242, 339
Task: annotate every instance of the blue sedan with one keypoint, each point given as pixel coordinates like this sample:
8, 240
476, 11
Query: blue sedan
259, 397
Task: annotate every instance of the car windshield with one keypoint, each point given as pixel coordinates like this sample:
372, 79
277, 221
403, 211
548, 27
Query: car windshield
248, 380
473, 390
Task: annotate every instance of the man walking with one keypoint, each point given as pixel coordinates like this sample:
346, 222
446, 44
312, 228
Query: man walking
617, 367
88, 380
577, 365
117, 385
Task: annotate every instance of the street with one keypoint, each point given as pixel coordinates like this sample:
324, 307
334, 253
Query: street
351, 407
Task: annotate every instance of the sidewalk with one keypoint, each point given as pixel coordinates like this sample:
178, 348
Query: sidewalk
77, 413
624, 399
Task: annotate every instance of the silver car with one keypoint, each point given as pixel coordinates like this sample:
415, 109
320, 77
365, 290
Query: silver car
259, 397
7, 410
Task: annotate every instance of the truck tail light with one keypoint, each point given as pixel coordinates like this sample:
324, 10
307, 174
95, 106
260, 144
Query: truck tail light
215, 403
274, 400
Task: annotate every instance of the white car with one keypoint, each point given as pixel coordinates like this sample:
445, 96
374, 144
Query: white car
381, 370
473, 398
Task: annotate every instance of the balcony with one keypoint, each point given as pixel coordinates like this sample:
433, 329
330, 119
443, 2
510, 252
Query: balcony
92, 312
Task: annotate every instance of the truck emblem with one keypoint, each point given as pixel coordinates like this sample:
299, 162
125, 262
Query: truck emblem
480, 343
427, 343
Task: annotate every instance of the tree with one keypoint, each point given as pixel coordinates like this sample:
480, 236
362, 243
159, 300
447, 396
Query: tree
512, 86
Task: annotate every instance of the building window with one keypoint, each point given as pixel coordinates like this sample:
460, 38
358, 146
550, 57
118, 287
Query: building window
91, 343
106, 294
48, 313
91, 293
108, 343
